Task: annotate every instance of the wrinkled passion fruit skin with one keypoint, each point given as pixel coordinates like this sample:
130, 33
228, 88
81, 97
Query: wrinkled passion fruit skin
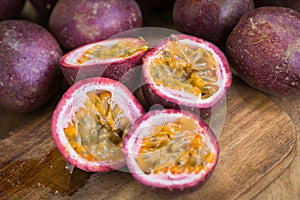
75, 23
165, 185
210, 20
125, 70
294, 4
29, 69
264, 50
72, 100
10, 9
154, 96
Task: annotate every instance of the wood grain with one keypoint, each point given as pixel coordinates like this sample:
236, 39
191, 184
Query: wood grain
257, 144
287, 186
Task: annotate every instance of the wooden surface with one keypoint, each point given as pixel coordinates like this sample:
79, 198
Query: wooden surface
287, 186
30, 153
257, 144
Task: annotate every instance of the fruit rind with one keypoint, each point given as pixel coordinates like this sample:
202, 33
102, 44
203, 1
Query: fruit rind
29, 68
157, 93
161, 181
263, 50
114, 68
72, 100
75, 23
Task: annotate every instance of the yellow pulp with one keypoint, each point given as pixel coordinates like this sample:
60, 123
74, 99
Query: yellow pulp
97, 129
182, 67
121, 49
176, 147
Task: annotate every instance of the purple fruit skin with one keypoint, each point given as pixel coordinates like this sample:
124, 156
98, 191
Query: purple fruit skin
29, 72
44, 7
10, 8
264, 50
294, 4
78, 22
210, 20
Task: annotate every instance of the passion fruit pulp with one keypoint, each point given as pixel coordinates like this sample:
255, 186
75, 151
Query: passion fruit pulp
186, 71
90, 121
112, 58
170, 150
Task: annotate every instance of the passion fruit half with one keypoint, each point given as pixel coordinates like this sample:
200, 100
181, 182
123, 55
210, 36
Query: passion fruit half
185, 71
112, 58
170, 150
90, 121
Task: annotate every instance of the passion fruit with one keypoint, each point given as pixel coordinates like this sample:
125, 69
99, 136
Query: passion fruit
90, 121
185, 71
170, 150
29, 68
210, 20
78, 22
112, 58
264, 50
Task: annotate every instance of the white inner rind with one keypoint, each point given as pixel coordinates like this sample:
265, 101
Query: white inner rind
77, 100
181, 95
166, 180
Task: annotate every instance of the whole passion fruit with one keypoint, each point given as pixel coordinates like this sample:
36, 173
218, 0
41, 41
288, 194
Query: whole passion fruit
170, 150
264, 50
90, 121
10, 9
29, 68
112, 58
210, 20
185, 71
78, 22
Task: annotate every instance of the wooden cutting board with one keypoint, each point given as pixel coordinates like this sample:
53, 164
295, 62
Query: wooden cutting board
256, 145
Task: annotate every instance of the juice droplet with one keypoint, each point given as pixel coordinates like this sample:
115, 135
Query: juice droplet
70, 167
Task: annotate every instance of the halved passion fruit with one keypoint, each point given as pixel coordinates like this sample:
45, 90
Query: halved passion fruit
90, 121
111, 58
187, 71
170, 150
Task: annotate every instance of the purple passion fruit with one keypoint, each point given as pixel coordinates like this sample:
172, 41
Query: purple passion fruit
264, 50
111, 58
170, 150
186, 71
29, 69
10, 9
210, 20
90, 121
78, 22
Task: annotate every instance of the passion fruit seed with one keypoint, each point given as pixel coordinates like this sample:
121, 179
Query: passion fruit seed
97, 130
122, 49
176, 147
187, 68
